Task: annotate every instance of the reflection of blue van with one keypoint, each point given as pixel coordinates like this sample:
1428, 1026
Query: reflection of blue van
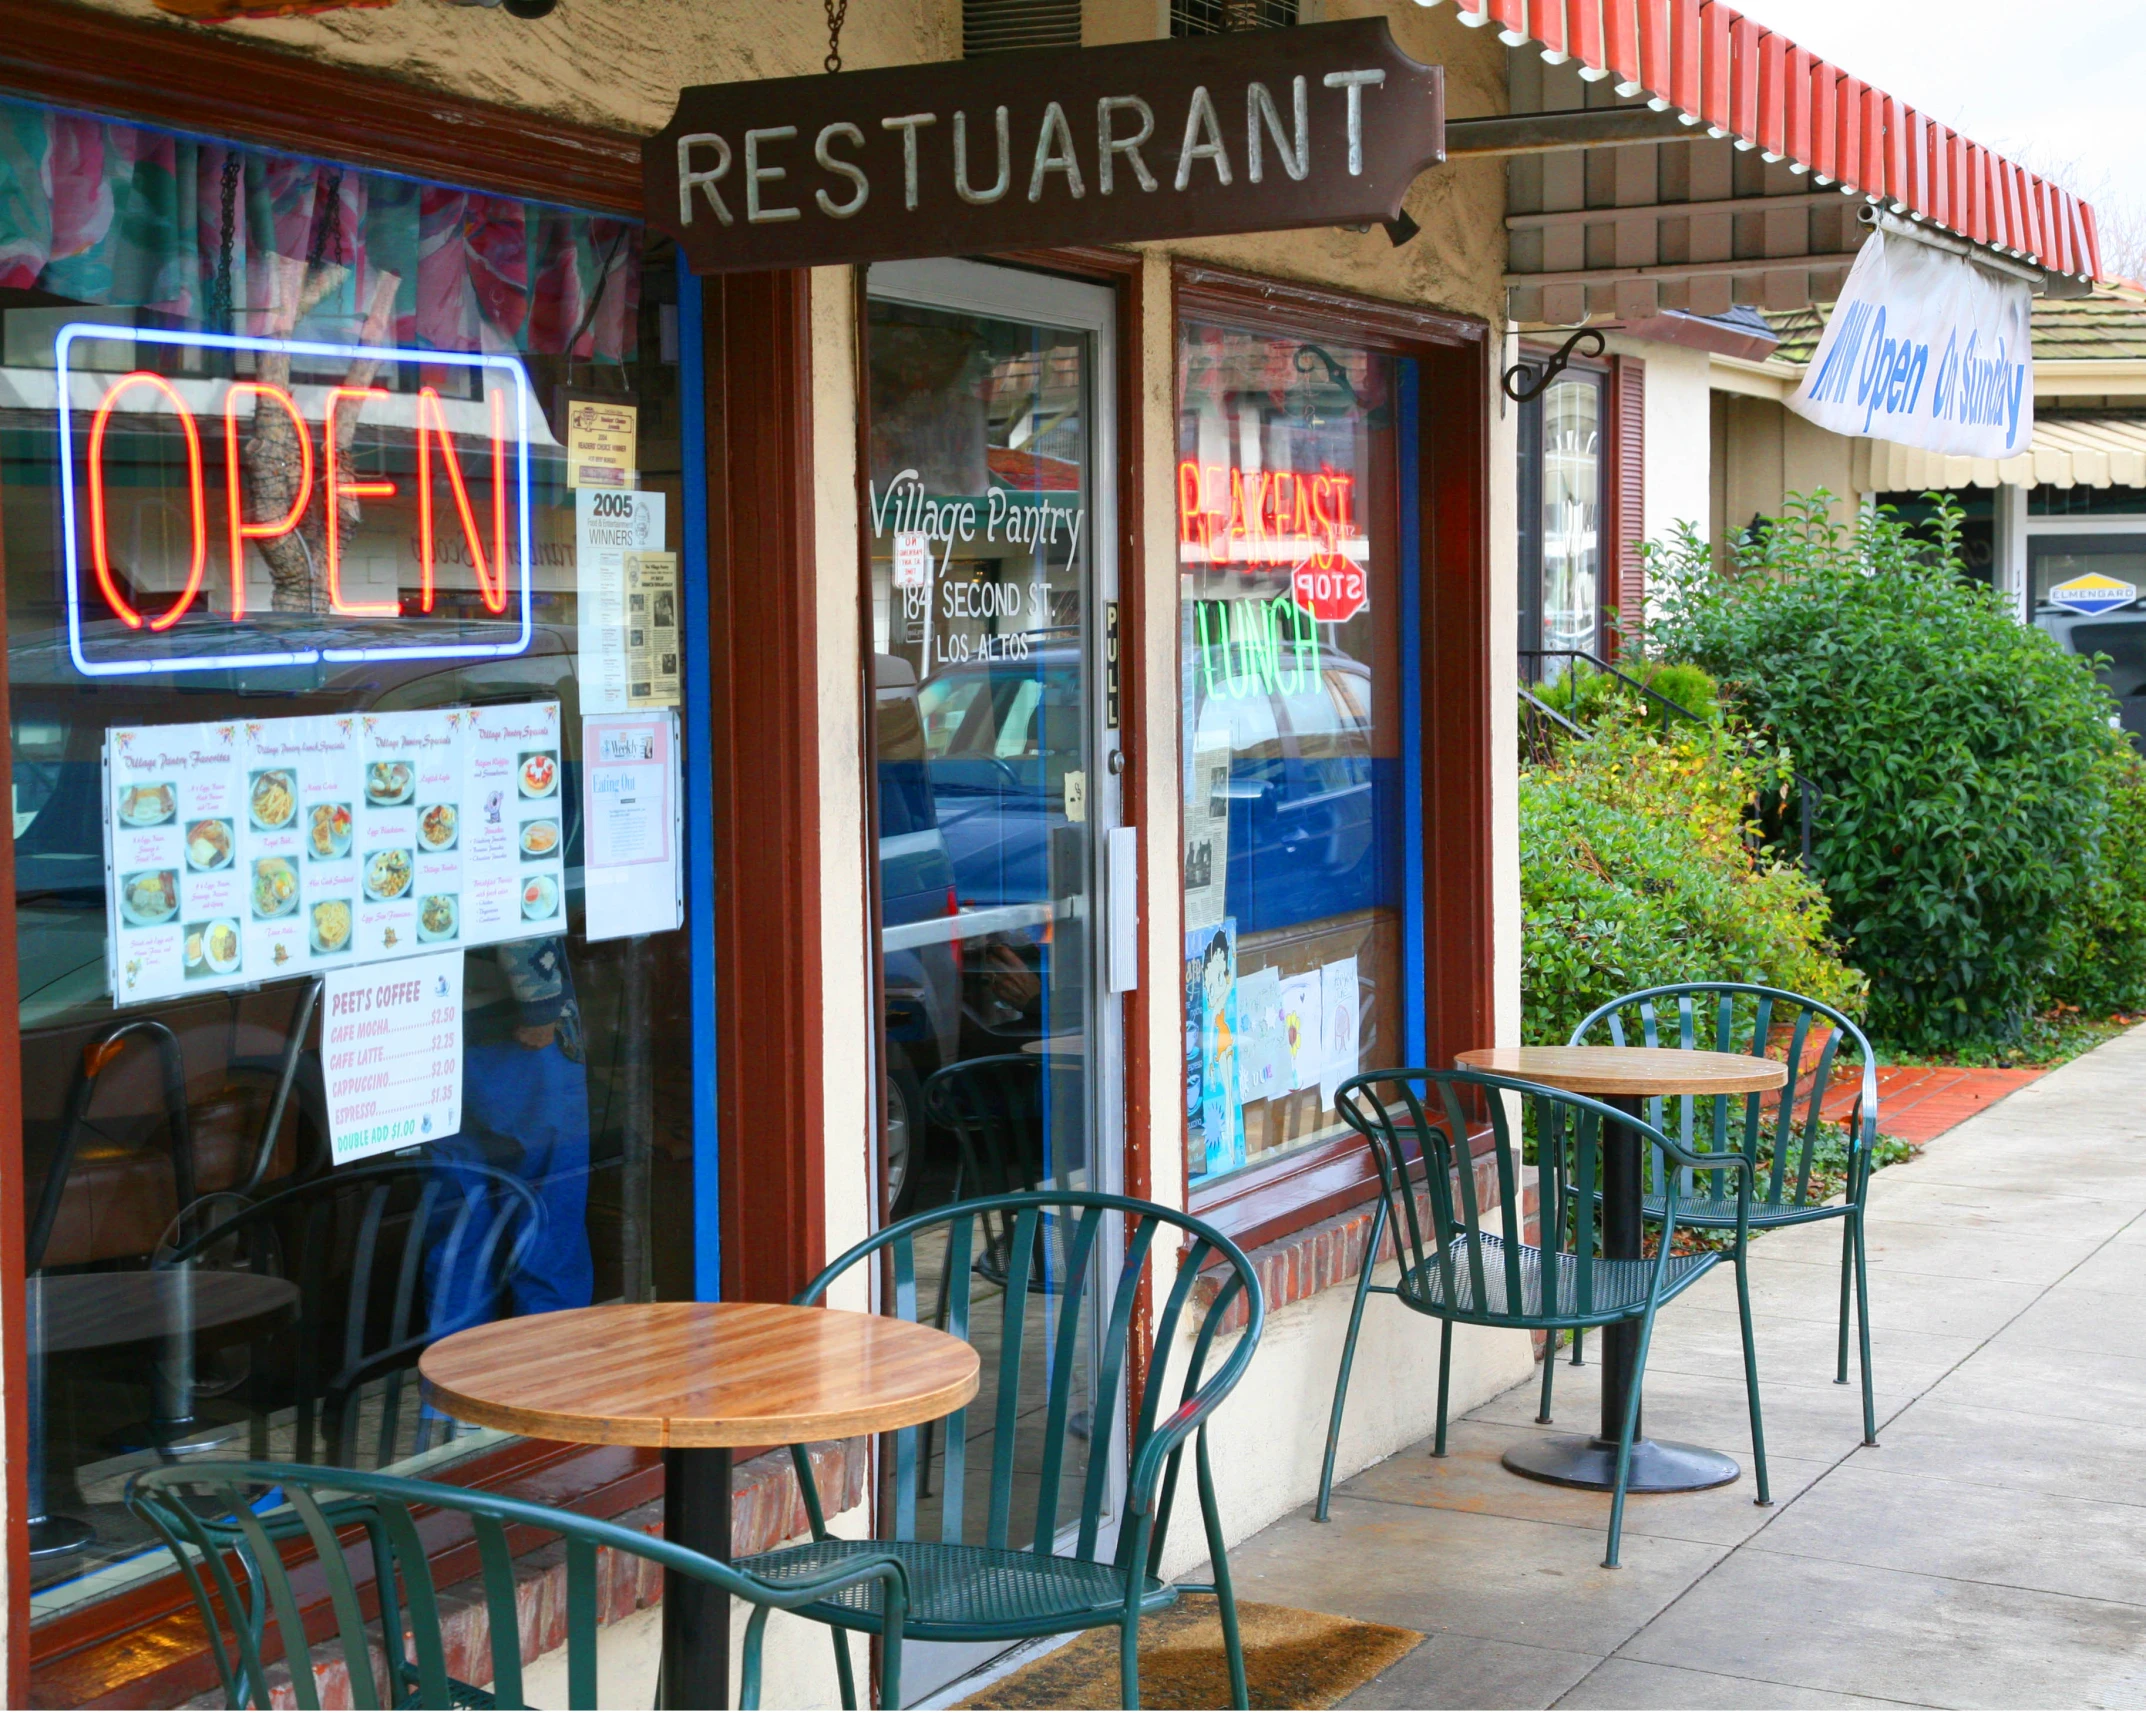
1002, 735
922, 971
1304, 791
1308, 799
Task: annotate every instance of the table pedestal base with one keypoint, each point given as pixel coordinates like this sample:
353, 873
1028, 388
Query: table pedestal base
58, 1535
1589, 1463
696, 1615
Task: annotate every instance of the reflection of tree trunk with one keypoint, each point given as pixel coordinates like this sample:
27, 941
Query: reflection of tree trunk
638, 1141
273, 462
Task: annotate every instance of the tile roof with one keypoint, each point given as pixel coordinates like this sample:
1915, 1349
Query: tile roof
2108, 326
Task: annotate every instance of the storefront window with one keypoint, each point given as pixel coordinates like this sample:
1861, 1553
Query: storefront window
1290, 639
339, 517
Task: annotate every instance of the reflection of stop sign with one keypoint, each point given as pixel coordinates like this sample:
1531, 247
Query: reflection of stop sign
1329, 587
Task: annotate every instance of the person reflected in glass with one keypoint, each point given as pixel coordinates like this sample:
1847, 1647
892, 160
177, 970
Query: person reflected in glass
525, 1110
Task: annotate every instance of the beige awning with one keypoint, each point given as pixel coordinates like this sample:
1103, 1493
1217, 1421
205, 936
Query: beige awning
2094, 452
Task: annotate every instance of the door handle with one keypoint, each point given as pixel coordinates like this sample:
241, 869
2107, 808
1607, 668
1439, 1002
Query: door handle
1122, 873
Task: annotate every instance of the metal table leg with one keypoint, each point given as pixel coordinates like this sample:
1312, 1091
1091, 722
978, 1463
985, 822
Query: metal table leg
1590, 1463
696, 1615
51, 1534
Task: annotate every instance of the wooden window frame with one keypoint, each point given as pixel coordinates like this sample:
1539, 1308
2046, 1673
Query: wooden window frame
1268, 1201
764, 721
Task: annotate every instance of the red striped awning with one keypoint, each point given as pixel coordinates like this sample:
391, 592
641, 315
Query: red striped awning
1718, 69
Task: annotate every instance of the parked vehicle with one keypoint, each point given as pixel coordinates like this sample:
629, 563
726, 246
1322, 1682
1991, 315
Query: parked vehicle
917, 892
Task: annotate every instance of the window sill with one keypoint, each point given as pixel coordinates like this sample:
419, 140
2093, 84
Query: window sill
148, 1649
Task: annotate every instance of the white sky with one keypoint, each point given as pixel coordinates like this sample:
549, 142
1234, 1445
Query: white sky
2055, 84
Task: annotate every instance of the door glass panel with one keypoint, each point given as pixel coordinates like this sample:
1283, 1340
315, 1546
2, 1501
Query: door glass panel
1290, 638
231, 569
981, 520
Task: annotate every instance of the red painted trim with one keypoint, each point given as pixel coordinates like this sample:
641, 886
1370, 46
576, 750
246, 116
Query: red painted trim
764, 742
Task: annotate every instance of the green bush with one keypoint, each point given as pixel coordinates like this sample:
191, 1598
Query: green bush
1635, 870
1965, 761
1585, 695
2100, 965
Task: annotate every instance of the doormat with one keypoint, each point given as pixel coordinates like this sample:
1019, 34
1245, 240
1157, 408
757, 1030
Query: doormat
1294, 1660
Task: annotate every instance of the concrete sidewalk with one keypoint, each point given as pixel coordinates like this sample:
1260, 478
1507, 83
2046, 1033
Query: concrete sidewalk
1991, 1551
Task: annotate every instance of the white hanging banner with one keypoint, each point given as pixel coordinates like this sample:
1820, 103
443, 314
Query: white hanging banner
1926, 349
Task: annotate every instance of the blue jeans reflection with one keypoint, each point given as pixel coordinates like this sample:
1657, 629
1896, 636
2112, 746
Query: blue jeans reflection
525, 1110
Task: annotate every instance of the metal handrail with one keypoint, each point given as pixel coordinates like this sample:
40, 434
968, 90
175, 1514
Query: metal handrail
1808, 793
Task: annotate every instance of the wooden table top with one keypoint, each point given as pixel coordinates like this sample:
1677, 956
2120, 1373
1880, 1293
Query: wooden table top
109, 1308
1607, 1070
689, 1375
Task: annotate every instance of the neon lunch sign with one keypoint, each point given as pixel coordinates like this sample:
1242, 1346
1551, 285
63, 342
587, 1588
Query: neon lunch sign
112, 630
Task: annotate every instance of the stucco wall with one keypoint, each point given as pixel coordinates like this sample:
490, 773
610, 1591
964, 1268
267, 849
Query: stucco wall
1678, 444
615, 63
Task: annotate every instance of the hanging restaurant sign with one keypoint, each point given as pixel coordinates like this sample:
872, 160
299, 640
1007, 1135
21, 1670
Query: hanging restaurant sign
1258, 131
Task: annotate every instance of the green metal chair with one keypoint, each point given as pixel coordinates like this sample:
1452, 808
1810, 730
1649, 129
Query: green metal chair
1776, 1133
1460, 1272
991, 1566
203, 1513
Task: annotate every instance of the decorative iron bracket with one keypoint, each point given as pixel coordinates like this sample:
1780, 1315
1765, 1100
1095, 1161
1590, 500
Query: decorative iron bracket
1520, 390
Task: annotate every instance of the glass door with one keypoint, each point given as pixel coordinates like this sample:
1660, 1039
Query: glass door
989, 500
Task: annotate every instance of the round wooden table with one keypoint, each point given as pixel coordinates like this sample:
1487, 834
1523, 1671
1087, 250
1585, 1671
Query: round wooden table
696, 1381
1623, 1078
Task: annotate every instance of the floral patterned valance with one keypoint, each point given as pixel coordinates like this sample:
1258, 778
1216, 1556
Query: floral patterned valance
203, 233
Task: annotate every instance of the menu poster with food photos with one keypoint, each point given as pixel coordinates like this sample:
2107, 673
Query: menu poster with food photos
241, 852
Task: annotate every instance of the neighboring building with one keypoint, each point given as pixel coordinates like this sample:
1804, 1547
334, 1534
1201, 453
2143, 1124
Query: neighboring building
2073, 506
1033, 794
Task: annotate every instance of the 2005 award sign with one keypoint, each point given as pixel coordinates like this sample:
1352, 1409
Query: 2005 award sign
1260, 131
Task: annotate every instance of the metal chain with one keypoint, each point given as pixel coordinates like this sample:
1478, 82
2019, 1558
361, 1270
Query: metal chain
837, 15
220, 305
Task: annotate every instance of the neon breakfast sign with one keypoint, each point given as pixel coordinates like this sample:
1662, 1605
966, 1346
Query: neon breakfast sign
499, 559
1227, 516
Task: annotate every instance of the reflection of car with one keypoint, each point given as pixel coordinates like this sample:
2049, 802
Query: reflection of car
1303, 784
2121, 638
1304, 788
922, 972
1003, 735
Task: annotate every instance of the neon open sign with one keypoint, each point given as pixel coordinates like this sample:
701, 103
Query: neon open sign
479, 490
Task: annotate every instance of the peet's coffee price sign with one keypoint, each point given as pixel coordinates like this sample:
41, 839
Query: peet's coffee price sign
1257, 131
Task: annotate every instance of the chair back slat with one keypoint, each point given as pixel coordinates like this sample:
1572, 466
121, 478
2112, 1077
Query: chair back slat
1124, 1300
497, 1565
953, 1489
908, 1482
1586, 1162
1456, 1172
581, 1624
1781, 1131
265, 1564
1062, 1357
1013, 1344
1821, 1077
